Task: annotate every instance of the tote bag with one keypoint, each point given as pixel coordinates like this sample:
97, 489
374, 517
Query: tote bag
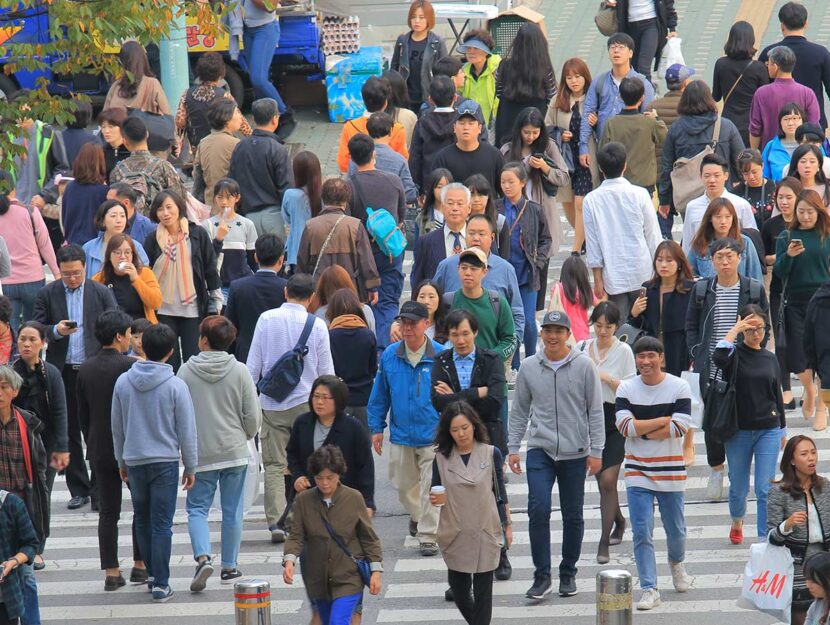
768, 581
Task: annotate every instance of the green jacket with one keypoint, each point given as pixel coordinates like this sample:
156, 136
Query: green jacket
483, 89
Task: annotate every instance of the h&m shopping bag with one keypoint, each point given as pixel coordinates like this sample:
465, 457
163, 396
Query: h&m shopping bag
768, 581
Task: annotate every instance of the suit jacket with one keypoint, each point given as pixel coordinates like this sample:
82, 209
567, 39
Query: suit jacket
50, 308
352, 439
429, 251
248, 298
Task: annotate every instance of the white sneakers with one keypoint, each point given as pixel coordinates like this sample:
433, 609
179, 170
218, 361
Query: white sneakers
649, 599
651, 596
714, 489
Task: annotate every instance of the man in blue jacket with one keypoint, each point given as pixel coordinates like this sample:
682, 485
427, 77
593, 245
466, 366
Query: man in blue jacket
402, 389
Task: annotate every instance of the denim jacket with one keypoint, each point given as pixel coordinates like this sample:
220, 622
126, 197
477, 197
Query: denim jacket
750, 265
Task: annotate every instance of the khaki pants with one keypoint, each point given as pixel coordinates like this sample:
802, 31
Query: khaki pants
410, 471
274, 434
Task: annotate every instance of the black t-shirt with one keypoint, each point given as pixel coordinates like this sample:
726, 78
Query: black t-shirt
127, 297
726, 73
770, 233
416, 63
485, 160
761, 199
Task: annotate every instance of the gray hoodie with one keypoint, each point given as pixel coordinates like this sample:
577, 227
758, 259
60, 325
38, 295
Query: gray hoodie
152, 418
226, 405
564, 407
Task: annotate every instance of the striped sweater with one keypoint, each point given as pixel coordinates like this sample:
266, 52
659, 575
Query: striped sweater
654, 464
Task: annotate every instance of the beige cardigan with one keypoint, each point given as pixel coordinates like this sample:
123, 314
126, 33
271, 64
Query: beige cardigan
555, 117
150, 98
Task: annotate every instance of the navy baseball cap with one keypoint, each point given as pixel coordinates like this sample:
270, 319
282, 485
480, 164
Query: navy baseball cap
676, 74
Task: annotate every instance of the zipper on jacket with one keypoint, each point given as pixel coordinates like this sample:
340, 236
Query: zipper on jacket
556, 411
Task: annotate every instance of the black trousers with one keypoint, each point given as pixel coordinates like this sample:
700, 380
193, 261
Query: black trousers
187, 329
645, 34
77, 480
478, 608
109, 499
4, 616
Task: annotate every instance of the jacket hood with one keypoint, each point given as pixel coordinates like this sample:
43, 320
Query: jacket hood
212, 367
573, 354
439, 126
698, 124
146, 375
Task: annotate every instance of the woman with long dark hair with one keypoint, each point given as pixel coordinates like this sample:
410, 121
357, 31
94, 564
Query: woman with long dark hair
431, 215
182, 257
482, 202
525, 78
786, 197
817, 578
399, 106
737, 76
110, 121
474, 509
798, 514
331, 280
430, 295
137, 87
807, 166
133, 283
718, 222
84, 194
565, 113
802, 263
302, 201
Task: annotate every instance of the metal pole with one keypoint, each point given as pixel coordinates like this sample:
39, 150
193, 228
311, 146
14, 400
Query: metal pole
252, 602
614, 600
175, 74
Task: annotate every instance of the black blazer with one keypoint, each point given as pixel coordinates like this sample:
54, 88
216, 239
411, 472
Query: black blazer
672, 324
202, 258
429, 251
50, 308
353, 440
488, 370
248, 298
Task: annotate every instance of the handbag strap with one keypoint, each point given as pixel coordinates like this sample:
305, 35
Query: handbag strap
740, 76
716, 132
336, 538
518, 218
307, 328
326, 243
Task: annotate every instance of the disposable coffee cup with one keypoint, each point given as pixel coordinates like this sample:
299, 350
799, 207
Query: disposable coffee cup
122, 266
438, 490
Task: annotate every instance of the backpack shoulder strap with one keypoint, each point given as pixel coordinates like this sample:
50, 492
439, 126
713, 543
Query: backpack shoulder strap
754, 291
600, 85
701, 286
495, 302
449, 296
309, 325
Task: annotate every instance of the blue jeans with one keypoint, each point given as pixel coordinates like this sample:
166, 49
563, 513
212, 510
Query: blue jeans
389, 295
22, 297
641, 513
260, 43
153, 488
531, 335
31, 607
542, 473
337, 611
740, 449
231, 483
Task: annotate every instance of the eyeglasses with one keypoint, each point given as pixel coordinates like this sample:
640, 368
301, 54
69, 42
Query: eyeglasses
321, 397
123, 253
71, 274
760, 330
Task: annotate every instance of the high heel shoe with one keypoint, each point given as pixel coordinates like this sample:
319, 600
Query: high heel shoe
619, 531
820, 422
602, 553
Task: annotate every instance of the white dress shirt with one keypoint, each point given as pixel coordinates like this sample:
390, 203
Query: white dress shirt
276, 333
449, 239
697, 207
621, 234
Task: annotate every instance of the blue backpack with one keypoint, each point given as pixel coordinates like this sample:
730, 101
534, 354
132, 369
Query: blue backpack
284, 376
384, 231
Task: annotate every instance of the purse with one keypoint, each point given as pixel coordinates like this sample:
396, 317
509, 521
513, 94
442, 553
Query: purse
627, 333
363, 567
606, 19
720, 413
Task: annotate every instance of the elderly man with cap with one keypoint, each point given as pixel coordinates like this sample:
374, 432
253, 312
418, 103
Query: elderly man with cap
402, 391
677, 77
558, 390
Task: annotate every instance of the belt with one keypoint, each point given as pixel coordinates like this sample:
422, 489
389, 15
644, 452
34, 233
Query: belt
72, 367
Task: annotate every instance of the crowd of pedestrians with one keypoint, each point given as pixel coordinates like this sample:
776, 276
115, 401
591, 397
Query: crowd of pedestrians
256, 316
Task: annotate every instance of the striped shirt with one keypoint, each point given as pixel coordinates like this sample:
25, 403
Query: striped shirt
654, 464
724, 316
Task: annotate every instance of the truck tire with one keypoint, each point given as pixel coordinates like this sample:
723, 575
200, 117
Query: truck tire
7, 87
235, 84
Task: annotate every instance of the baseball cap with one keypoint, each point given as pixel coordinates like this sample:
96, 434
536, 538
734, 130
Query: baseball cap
414, 311
468, 108
676, 74
556, 318
474, 256
809, 129
476, 43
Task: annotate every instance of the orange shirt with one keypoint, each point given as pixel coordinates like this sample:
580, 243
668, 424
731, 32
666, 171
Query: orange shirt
397, 140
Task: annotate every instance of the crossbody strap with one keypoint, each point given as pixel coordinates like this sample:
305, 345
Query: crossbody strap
309, 325
740, 76
518, 218
326, 243
716, 132
335, 537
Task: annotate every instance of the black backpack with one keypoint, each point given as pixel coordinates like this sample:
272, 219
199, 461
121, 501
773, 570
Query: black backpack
284, 376
494, 301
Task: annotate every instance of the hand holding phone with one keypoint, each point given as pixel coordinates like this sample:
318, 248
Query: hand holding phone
71, 324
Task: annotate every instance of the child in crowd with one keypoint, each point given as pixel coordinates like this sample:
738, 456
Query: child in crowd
575, 297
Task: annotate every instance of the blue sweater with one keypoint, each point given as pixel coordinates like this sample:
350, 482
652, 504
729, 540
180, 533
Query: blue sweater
79, 205
153, 418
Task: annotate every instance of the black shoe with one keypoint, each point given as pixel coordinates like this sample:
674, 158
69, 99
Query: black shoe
449, 595
287, 125
39, 566
203, 570
114, 582
541, 587
94, 506
77, 502
413, 528
504, 570
790, 405
229, 576
138, 576
567, 586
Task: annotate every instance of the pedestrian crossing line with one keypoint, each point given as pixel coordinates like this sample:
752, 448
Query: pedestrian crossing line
244, 559
148, 610
125, 540
692, 483
96, 586
673, 603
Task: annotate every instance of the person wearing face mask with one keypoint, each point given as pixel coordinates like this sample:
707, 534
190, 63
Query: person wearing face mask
111, 219
798, 514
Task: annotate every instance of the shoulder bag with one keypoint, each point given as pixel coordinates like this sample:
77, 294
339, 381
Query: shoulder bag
606, 19
364, 569
720, 414
685, 174
737, 81
325, 245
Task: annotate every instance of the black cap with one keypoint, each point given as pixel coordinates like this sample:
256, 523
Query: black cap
809, 129
414, 311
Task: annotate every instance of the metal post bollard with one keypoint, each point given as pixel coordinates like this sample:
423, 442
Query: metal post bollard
252, 599
614, 600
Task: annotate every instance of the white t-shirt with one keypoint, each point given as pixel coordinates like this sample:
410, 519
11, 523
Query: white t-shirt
639, 10
697, 208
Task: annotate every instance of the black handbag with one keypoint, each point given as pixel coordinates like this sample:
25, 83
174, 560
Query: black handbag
364, 569
720, 413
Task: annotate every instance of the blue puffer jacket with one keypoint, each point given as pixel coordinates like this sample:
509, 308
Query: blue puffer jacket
403, 391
